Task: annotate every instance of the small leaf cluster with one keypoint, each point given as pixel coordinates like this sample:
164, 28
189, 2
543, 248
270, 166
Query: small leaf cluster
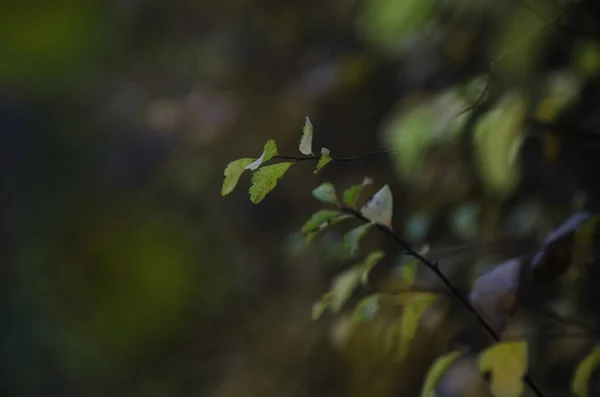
265, 178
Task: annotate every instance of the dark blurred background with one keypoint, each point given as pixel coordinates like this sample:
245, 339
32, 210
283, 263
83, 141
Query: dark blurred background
125, 273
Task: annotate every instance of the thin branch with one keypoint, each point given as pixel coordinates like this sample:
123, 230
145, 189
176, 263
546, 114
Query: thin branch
435, 268
340, 159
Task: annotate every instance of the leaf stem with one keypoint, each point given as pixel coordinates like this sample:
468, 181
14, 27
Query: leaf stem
435, 268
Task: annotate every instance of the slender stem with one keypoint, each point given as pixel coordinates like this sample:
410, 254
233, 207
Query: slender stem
435, 268
341, 159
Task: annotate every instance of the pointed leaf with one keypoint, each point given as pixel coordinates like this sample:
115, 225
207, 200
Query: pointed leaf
352, 194
507, 363
324, 159
580, 384
232, 174
343, 286
269, 151
307, 135
352, 238
325, 193
265, 179
436, 371
369, 263
380, 208
413, 311
366, 309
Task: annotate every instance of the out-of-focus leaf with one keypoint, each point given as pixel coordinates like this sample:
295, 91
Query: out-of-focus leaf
416, 127
319, 307
507, 364
232, 174
325, 192
560, 90
343, 287
307, 136
352, 194
435, 372
387, 23
413, 312
583, 249
369, 263
265, 179
324, 159
494, 293
269, 151
587, 57
554, 258
380, 208
367, 308
352, 239
497, 140
580, 383
408, 272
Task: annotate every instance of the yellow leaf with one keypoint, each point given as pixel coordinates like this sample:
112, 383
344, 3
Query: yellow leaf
581, 378
583, 249
413, 311
409, 272
507, 363
436, 371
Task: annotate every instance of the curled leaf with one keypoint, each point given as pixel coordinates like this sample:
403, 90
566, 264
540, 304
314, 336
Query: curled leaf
232, 174
352, 238
269, 151
437, 369
321, 220
265, 179
325, 193
324, 159
380, 208
507, 364
306, 140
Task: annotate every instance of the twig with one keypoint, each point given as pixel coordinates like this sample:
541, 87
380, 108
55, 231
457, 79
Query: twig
341, 159
435, 268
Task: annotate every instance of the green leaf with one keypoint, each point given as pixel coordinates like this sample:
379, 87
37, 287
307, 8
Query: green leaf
324, 159
269, 151
368, 264
325, 193
343, 286
352, 238
413, 311
352, 194
380, 208
507, 363
366, 309
580, 383
317, 219
307, 135
265, 179
232, 174
436, 371
319, 307
498, 135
